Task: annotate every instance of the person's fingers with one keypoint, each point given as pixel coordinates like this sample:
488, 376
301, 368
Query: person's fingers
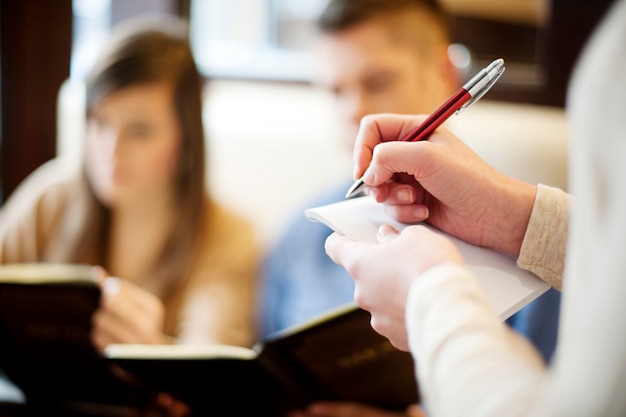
396, 191
401, 194
379, 128
99, 273
171, 406
391, 158
111, 286
113, 321
415, 411
401, 202
110, 328
386, 233
336, 247
413, 213
126, 299
103, 323
102, 334
347, 409
99, 338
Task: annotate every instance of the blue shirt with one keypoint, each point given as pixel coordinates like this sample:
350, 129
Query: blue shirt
300, 281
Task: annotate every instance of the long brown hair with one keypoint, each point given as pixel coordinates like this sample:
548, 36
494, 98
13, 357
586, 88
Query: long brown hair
139, 52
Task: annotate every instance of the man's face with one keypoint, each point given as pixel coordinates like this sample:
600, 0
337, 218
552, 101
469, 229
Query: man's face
368, 72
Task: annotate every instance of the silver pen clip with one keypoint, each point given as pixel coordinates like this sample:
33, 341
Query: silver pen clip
493, 72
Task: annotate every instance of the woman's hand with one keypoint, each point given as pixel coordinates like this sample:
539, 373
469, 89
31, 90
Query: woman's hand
443, 181
127, 314
383, 272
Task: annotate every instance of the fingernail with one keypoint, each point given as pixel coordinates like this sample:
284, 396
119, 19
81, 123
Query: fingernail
386, 233
405, 196
369, 176
371, 192
421, 213
98, 272
111, 286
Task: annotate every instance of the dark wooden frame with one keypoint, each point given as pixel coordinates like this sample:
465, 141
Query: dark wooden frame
35, 46
540, 58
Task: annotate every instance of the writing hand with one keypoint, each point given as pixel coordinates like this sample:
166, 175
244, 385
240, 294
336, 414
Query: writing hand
443, 181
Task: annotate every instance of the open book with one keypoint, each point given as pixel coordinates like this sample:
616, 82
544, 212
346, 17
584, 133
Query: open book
336, 356
45, 346
507, 287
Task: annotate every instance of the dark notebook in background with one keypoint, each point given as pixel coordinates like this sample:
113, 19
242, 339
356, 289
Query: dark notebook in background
45, 347
337, 356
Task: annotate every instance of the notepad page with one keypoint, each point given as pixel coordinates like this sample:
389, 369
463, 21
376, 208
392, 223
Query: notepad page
507, 287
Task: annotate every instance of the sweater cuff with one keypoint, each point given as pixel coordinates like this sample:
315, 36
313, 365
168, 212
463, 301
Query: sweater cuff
545, 242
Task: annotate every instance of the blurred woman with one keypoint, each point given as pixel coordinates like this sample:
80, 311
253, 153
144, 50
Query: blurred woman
139, 207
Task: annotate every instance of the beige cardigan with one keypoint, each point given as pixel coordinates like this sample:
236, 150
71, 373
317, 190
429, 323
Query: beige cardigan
216, 306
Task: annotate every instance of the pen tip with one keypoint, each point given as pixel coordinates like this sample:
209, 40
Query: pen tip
355, 188
496, 63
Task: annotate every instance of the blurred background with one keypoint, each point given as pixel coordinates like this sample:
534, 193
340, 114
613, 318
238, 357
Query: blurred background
269, 128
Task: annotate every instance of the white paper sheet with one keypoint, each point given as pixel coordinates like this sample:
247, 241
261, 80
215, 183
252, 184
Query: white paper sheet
507, 287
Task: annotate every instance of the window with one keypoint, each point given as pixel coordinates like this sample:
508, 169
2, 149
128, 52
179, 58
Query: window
256, 39
92, 22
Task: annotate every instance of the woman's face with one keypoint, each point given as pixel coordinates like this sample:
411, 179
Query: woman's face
133, 143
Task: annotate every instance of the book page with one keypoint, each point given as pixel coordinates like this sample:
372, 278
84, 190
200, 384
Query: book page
507, 287
177, 351
211, 379
45, 272
45, 334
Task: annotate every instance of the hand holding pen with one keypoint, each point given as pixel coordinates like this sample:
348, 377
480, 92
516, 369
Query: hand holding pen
468, 94
442, 181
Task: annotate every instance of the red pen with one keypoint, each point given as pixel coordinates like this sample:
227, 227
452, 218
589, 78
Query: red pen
469, 93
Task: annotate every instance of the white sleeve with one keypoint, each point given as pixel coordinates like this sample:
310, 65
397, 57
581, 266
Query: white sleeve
471, 364
468, 362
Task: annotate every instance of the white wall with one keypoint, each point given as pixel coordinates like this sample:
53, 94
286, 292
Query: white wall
273, 146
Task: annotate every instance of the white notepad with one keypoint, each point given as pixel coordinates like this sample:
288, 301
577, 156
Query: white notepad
507, 287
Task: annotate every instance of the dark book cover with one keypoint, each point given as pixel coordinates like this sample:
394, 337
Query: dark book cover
336, 357
45, 346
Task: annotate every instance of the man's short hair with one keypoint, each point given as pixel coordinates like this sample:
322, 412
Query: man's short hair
343, 14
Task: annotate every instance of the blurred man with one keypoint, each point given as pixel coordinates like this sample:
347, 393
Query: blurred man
375, 56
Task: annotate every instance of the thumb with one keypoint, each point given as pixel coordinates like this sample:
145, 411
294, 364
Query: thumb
391, 158
111, 286
386, 233
99, 273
